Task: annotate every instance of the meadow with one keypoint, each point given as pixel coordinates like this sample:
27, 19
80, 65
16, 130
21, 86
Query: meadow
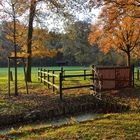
35, 85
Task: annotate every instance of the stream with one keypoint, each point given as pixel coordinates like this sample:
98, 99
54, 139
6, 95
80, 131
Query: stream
57, 121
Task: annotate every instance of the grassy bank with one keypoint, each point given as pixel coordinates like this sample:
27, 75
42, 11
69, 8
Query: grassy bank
110, 126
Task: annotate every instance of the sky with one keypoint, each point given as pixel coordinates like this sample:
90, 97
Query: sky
52, 21
56, 23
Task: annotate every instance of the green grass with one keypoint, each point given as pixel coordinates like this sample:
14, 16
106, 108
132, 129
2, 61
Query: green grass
35, 86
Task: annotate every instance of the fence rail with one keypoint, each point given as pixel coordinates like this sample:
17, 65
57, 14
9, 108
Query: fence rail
49, 78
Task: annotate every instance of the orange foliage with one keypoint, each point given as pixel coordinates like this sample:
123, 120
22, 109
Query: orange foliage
125, 35
39, 41
119, 32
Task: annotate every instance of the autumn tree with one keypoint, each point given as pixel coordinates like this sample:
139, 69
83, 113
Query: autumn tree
63, 10
11, 12
123, 35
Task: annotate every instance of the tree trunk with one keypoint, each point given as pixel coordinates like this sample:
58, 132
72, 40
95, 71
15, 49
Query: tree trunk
128, 59
15, 48
29, 39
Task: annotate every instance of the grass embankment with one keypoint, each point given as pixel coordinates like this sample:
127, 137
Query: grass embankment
110, 126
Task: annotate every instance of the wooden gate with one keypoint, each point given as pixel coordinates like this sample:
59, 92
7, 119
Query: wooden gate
115, 77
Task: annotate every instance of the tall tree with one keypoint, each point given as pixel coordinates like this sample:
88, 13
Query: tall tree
62, 9
124, 36
29, 38
12, 12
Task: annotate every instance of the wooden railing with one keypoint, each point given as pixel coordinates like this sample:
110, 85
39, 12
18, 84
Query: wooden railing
57, 80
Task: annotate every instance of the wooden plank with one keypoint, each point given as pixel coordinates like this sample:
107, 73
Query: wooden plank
50, 74
82, 86
78, 75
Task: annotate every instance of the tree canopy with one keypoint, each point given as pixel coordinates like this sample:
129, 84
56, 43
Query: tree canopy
113, 30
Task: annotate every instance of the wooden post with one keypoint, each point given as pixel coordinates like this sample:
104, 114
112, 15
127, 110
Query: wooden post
93, 76
62, 70
53, 81
84, 74
48, 76
44, 76
138, 74
25, 75
41, 74
133, 76
38, 74
60, 84
9, 77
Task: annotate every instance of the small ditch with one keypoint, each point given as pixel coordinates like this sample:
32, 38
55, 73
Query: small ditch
88, 105
56, 121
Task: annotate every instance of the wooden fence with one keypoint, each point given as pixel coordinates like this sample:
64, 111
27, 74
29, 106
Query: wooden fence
56, 80
108, 77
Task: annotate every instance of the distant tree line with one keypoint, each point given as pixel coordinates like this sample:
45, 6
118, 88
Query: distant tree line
72, 46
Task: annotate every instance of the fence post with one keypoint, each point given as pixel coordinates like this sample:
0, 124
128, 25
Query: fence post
38, 73
48, 76
138, 74
84, 74
60, 84
133, 76
62, 70
11, 76
44, 76
41, 74
53, 81
93, 75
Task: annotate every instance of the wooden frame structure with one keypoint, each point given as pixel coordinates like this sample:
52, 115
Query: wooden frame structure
16, 89
49, 77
